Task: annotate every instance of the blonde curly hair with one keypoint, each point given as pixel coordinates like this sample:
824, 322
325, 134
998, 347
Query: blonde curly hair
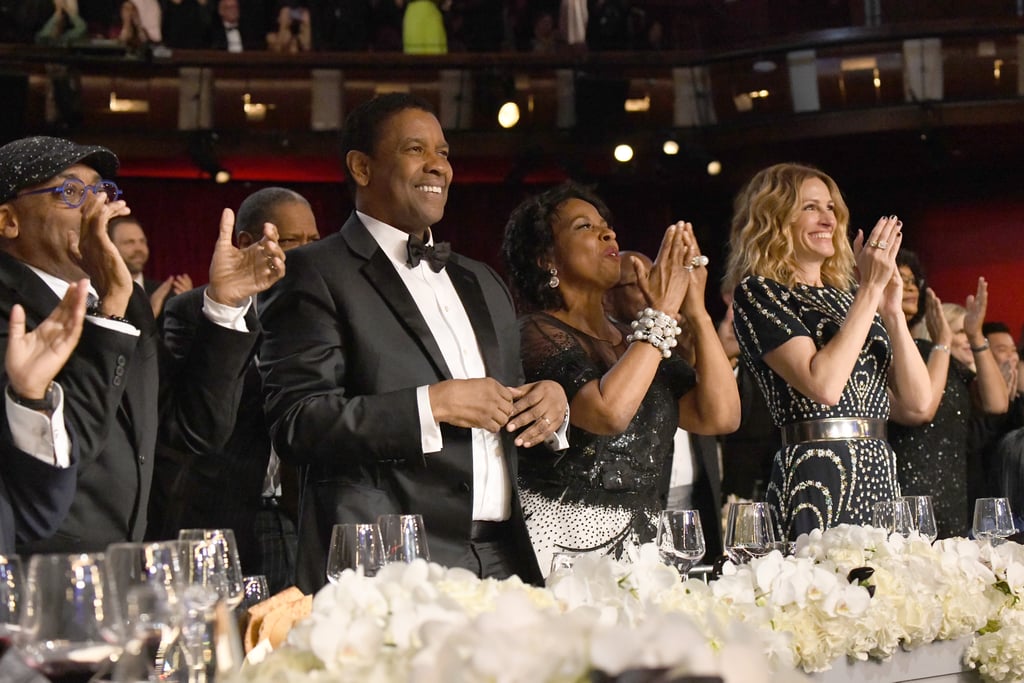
761, 241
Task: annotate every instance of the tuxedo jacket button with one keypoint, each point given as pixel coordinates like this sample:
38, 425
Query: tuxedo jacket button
121, 361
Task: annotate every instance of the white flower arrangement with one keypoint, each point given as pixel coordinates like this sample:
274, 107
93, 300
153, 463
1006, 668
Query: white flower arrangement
849, 592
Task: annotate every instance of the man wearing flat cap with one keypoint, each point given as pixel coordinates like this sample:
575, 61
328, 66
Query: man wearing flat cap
122, 390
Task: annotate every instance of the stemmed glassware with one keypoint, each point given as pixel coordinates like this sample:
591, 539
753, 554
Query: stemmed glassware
404, 538
749, 531
993, 520
66, 632
11, 592
922, 516
894, 516
354, 546
214, 563
680, 539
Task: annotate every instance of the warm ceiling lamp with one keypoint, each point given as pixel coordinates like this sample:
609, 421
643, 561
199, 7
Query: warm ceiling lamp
508, 115
623, 153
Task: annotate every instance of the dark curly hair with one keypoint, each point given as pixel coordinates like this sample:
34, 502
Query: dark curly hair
363, 124
528, 242
907, 258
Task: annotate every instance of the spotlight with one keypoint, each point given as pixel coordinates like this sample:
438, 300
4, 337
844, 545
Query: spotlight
201, 148
670, 147
222, 176
714, 167
623, 153
508, 115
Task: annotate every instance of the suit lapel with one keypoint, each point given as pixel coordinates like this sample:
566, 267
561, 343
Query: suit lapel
382, 276
468, 288
29, 290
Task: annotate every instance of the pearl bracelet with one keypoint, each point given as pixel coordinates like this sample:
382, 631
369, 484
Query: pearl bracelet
657, 328
941, 347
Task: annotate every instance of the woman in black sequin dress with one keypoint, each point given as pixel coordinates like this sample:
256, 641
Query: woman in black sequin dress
626, 399
932, 458
832, 355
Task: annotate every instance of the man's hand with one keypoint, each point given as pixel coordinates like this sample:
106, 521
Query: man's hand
540, 407
35, 358
974, 318
477, 403
95, 254
237, 274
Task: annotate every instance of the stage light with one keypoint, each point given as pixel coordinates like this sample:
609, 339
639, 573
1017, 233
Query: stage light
670, 147
623, 153
508, 115
222, 176
714, 167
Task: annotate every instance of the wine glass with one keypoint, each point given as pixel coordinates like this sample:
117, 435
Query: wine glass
404, 538
255, 589
749, 531
893, 516
562, 562
214, 564
66, 631
354, 546
993, 519
922, 516
680, 539
11, 590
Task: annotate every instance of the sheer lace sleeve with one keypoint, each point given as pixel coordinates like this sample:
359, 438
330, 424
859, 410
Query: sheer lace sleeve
550, 350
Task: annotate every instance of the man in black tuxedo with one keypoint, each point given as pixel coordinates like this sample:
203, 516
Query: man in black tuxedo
392, 375
239, 487
55, 204
130, 239
237, 28
36, 488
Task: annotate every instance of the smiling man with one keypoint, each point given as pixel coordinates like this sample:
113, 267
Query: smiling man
391, 366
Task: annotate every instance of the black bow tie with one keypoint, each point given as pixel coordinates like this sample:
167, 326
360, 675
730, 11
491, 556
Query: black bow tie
436, 255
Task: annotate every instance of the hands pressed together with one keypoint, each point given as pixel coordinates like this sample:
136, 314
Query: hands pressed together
677, 279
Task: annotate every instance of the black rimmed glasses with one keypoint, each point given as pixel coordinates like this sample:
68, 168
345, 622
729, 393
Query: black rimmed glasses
72, 191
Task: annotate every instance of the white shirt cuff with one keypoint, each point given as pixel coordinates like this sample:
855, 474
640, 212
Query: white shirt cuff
430, 429
115, 325
231, 317
44, 438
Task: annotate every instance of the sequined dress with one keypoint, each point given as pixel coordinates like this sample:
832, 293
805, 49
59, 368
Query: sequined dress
932, 458
603, 493
824, 483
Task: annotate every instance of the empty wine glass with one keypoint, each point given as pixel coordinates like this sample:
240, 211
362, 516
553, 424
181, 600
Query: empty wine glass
255, 589
66, 632
922, 516
215, 564
749, 531
562, 562
404, 538
11, 590
680, 539
893, 516
993, 520
354, 546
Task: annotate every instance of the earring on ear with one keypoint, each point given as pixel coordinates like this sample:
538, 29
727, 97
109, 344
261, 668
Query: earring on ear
553, 282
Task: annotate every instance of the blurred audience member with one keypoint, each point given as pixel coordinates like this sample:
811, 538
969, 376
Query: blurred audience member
65, 25
129, 30
130, 239
294, 31
386, 22
423, 29
150, 18
187, 24
236, 31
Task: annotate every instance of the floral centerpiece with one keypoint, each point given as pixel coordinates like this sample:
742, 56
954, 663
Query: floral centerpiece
850, 592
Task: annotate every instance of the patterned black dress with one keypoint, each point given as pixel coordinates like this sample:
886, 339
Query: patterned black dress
932, 458
824, 483
603, 493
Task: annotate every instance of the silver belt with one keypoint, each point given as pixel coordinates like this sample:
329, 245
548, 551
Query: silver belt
833, 429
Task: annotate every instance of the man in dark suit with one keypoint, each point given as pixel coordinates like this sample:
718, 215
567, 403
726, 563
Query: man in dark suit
36, 488
238, 29
239, 487
54, 208
130, 239
393, 379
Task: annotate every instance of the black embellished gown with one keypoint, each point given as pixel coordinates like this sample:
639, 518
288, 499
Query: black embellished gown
932, 458
603, 494
823, 483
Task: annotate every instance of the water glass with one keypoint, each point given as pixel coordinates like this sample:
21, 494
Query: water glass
354, 546
749, 531
11, 596
255, 589
922, 516
404, 538
893, 516
562, 562
993, 519
680, 539
213, 563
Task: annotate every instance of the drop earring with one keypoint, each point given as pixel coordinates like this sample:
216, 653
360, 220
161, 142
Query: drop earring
553, 282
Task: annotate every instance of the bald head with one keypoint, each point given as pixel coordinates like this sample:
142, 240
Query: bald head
624, 299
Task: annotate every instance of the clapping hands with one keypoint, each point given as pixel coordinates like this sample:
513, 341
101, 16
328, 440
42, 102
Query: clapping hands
237, 274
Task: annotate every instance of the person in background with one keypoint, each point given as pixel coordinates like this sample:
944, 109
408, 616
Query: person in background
65, 25
294, 31
695, 481
391, 365
629, 391
237, 31
37, 486
240, 486
933, 458
130, 239
188, 24
423, 31
832, 354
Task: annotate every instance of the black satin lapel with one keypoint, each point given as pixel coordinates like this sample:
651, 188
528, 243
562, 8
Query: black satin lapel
386, 281
141, 315
472, 296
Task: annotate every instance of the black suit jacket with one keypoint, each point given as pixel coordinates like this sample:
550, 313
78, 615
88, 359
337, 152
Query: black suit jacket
344, 349
220, 489
119, 391
34, 496
707, 493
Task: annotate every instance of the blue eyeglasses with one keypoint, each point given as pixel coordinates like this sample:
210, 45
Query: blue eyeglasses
72, 191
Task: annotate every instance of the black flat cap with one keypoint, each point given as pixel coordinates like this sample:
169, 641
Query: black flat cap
30, 161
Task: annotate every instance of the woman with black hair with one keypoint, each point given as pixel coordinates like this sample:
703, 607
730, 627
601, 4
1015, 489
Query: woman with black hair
628, 390
932, 458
